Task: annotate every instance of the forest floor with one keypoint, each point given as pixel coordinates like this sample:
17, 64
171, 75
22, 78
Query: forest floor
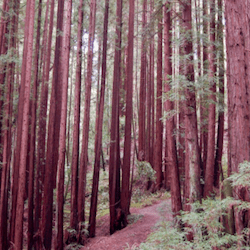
142, 222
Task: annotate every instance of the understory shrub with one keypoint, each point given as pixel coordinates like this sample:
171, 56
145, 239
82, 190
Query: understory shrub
204, 223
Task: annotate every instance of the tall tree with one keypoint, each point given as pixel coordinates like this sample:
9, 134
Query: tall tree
4, 22
99, 123
125, 194
159, 124
15, 170
238, 65
151, 113
88, 81
42, 121
172, 162
143, 80
32, 141
220, 134
203, 96
6, 130
209, 174
30, 13
192, 156
62, 144
114, 161
53, 136
76, 132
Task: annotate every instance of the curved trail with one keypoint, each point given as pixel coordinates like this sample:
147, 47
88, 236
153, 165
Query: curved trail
133, 234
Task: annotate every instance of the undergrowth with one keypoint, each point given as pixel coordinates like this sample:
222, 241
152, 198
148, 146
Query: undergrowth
202, 228
203, 223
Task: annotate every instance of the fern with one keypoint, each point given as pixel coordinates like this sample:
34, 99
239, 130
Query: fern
204, 223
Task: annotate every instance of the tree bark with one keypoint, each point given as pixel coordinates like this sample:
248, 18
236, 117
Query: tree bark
76, 132
143, 80
114, 161
159, 124
125, 194
220, 131
15, 171
172, 161
84, 152
238, 65
7, 109
209, 174
192, 156
99, 121
52, 137
238, 82
32, 142
18, 240
63, 124
152, 92
204, 96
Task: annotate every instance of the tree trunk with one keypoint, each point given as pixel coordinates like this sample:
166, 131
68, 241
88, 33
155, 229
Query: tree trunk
41, 135
218, 173
172, 161
192, 156
7, 109
238, 62
114, 161
4, 23
238, 82
32, 151
52, 137
84, 152
99, 121
42, 121
148, 135
76, 133
143, 80
6, 140
15, 171
125, 194
209, 174
18, 240
159, 124
63, 124
204, 97
152, 93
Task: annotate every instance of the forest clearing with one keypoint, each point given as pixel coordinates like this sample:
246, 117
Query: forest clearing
124, 112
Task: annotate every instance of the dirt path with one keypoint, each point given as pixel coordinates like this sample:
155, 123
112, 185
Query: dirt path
133, 234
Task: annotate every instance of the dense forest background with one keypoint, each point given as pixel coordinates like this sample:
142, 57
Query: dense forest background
129, 86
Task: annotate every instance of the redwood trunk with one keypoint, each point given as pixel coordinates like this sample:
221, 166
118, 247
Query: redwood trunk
209, 174
41, 136
84, 152
32, 142
143, 79
15, 171
171, 160
159, 124
114, 162
238, 62
52, 138
63, 124
218, 173
192, 156
99, 121
152, 92
75, 150
18, 239
125, 194
7, 93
